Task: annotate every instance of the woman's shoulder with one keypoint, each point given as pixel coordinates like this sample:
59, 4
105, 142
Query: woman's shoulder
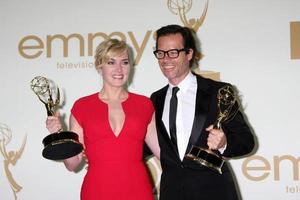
141, 103
87, 99
140, 99
84, 104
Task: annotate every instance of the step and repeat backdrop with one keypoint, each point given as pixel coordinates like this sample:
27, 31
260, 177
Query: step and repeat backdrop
255, 45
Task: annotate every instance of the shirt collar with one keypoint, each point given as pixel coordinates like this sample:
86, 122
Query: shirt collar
184, 84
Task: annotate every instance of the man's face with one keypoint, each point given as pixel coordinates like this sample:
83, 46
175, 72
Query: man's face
174, 69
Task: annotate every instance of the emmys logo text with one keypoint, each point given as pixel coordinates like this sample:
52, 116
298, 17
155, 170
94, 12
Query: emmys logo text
259, 168
33, 46
295, 40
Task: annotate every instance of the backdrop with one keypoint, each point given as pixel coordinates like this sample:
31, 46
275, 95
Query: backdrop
253, 44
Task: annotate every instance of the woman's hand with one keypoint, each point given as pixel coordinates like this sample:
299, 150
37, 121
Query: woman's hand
53, 123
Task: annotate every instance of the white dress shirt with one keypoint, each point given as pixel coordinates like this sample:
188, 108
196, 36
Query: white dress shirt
185, 111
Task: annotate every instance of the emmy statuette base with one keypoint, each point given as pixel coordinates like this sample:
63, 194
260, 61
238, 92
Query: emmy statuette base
62, 145
206, 158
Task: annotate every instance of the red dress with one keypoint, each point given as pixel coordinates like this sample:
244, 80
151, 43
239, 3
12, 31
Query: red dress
116, 170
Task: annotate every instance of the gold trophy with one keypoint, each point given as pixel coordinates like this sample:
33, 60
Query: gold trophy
63, 144
228, 106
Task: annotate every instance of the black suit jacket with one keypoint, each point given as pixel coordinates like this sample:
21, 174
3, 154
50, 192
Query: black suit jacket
186, 179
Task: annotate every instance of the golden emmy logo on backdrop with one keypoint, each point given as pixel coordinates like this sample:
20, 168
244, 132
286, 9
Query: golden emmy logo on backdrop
182, 7
227, 107
63, 144
10, 157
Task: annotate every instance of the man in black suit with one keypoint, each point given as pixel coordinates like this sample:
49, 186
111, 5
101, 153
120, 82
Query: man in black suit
197, 110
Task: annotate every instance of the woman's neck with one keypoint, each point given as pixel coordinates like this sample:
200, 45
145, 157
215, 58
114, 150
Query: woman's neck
113, 94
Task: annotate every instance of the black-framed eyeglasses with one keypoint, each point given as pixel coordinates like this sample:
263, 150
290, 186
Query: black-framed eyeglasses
172, 53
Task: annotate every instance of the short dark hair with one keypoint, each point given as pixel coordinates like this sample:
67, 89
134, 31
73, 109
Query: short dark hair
188, 36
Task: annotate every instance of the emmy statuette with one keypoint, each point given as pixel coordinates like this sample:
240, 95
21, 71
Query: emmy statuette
227, 107
60, 145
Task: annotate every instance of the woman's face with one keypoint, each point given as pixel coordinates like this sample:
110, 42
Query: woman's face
116, 71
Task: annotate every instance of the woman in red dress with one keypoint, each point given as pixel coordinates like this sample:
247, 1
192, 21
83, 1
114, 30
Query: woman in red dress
112, 125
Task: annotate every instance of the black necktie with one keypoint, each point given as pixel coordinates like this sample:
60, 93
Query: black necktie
172, 115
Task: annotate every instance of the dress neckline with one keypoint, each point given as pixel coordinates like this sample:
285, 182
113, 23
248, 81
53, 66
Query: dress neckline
123, 105
122, 102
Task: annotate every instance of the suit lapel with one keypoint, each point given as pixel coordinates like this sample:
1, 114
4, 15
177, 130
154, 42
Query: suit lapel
159, 111
201, 110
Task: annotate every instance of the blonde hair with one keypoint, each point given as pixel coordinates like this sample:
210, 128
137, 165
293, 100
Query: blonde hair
110, 48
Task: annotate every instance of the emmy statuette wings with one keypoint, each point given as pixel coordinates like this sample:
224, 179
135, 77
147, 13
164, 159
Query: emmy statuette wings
60, 145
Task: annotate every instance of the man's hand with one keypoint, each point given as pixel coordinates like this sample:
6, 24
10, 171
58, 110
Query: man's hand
216, 138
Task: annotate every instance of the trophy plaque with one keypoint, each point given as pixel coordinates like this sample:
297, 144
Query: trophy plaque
63, 144
227, 108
